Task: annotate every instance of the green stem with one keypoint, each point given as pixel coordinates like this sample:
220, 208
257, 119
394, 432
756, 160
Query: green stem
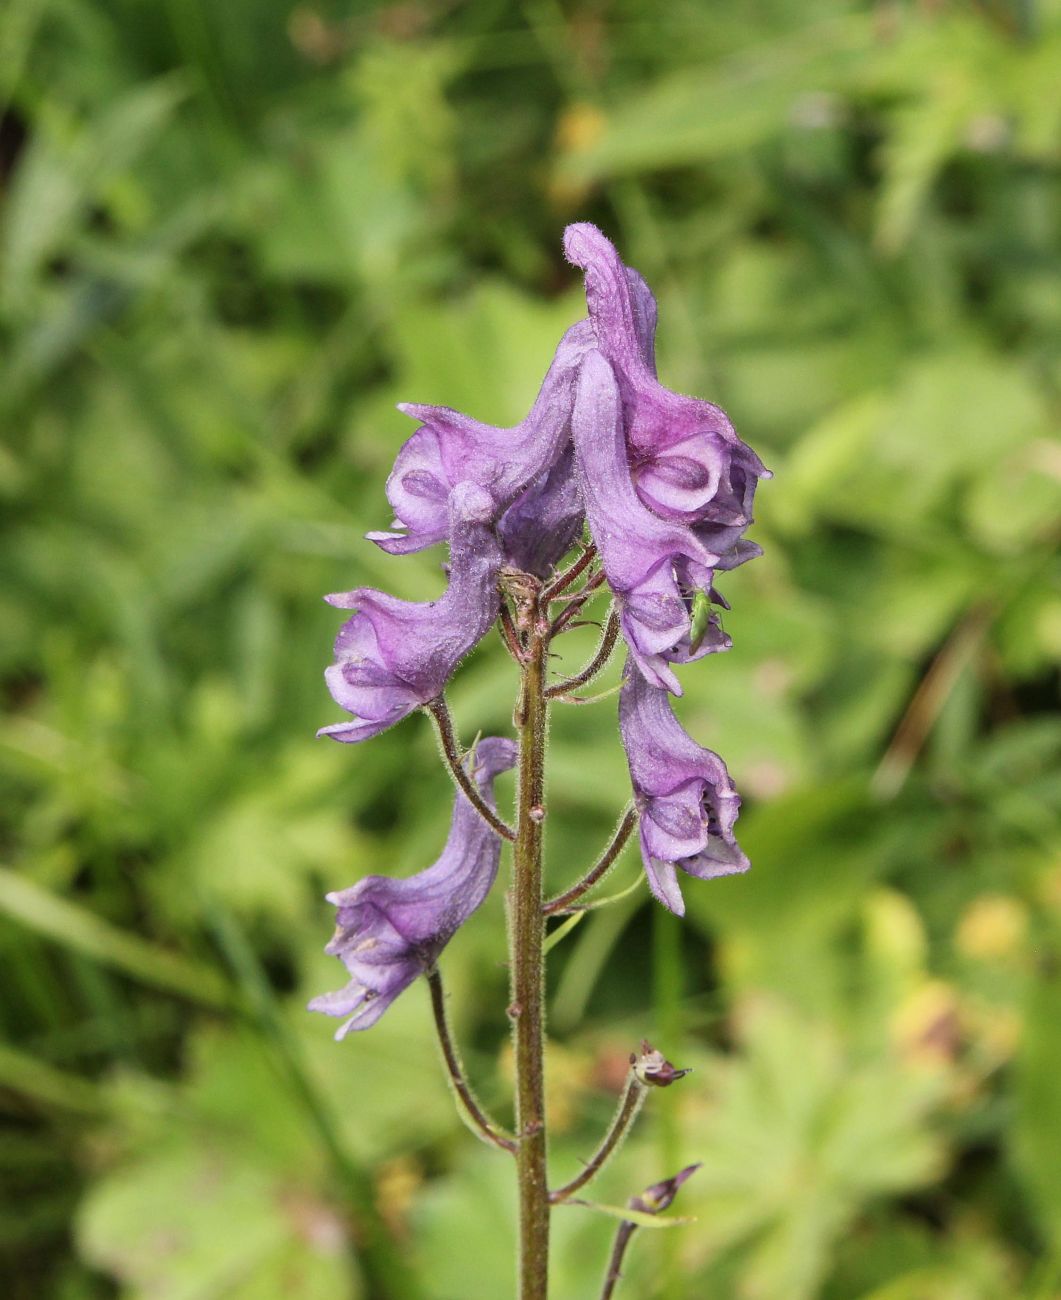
478, 1119
630, 1104
599, 869
527, 965
454, 759
603, 654
668, 978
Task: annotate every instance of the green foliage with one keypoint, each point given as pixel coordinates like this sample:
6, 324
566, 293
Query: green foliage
232, 236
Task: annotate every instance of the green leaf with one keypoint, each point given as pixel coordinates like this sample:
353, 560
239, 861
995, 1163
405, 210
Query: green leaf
74, 926
193, 1223
638, 1217
1036, 1131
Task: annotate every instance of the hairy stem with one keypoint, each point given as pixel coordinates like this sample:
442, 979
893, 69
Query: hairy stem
486, 1128
569, 575
626, 1114
567, 616
527, 967
600, 868
604, 653
615, 1262
439, 710
509, 634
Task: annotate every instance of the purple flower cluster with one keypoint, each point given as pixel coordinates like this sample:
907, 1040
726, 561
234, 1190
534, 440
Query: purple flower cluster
666, 489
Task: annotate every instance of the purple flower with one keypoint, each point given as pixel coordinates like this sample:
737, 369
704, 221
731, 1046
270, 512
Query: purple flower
395, 655
390, 931
638, 549
686, 461
450, 447
683, 793
542, 524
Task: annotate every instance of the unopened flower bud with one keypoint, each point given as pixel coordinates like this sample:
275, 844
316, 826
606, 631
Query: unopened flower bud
659, 1196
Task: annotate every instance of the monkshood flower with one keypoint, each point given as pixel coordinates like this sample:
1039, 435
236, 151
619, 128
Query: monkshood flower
541, 525
686, 460
395, 655
686, 801
638, 549
390, 931
450, 447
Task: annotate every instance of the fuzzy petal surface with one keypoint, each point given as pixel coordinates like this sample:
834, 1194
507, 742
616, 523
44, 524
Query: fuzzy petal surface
449, 448
394, 655
389, 931
682, 449
686, 801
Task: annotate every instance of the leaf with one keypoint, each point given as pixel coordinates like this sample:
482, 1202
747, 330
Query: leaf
48, 1086
638, 1217
1036, 1132
720, 109
76, 927
562, 931
192, 1223
59, 177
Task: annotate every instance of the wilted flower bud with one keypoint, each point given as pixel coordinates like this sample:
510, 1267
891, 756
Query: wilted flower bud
653, 1070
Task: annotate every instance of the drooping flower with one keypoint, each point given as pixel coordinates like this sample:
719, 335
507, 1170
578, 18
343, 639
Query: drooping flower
389, 931
449, 447
686, 461
683, 793
395, 655
639, 551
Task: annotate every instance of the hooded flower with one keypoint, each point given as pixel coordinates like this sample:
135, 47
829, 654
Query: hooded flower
390, 931
638, 549
450, 447
541, 525
395, 655
683, 793
686, 461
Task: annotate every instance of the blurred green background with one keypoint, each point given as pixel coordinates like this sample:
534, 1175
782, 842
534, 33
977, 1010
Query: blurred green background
232, 236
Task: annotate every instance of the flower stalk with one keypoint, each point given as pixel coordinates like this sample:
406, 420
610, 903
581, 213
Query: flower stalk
527, 937
439, 711
563, 902
477, 1118
603, 654
632, 1100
